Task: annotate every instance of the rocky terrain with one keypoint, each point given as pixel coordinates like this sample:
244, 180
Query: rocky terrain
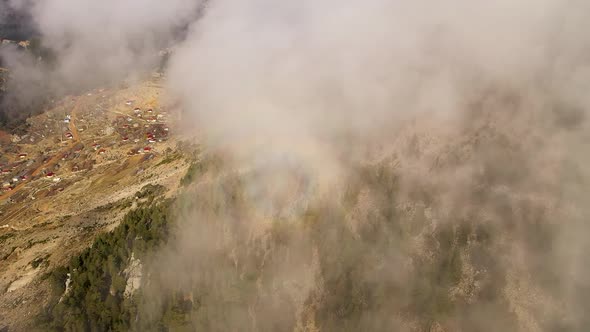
74, 174
408, 166
448, 226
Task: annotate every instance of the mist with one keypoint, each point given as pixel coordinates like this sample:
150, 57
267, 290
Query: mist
88, 44
376, 165
396, 166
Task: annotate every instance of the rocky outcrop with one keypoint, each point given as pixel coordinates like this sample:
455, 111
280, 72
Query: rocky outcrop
133, 273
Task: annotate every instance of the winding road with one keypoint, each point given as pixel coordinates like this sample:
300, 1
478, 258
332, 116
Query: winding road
55, 159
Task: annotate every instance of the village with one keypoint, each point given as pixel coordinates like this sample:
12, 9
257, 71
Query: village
74, 173
74, 137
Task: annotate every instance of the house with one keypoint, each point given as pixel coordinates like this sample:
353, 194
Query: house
6, 185
147, 149
14, 179
22, 155
125, 139
6, 171
49, 175
102, 151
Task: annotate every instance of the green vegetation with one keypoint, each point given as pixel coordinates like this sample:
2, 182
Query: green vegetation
209, 163
95, 300
170, 158
150, 191
367, 272
192, 172
6, 236
38, 261
360, 292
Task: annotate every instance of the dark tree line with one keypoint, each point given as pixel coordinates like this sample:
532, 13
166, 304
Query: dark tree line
95, 298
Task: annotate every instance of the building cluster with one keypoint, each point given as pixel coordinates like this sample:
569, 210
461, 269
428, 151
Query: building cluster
54, 149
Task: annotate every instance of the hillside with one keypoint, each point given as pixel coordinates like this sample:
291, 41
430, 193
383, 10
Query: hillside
73, 175
301, 166
392, 245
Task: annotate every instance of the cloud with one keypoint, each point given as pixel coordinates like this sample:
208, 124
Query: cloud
387, 164
97, 42
458, 109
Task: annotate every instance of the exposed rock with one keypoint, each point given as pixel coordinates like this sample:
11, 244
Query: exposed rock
133, 273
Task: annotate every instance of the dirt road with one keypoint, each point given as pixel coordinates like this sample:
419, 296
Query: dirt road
55, 159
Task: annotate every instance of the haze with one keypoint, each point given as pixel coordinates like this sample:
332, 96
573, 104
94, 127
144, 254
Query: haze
430, 114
